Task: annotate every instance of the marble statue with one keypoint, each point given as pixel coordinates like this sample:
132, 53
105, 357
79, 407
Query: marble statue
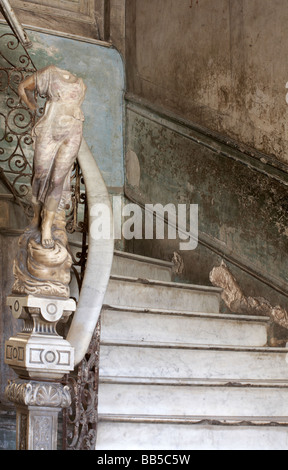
58, 135
43, 263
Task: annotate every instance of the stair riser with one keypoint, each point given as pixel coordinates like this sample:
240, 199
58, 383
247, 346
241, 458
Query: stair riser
230, 365
135, 436
135, 326
139, 269
170, 400
136, 294
125, 264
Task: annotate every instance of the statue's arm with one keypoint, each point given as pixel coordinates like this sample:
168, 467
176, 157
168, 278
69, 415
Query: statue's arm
29, 84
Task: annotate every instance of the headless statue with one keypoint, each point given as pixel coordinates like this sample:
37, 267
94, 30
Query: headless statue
42, 265
57, 139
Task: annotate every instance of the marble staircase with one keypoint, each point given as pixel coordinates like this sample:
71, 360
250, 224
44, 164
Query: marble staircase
176, 374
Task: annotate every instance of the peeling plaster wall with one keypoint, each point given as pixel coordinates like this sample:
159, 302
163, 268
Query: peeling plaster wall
219, 63
207, 123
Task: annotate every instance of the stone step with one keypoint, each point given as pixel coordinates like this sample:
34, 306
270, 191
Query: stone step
197, 433
126, 291
126, 323
174, 360
127, 264
135, 266
124, 397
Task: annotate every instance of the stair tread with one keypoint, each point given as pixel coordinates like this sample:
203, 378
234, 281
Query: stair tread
157, 311
261, 420
144, 259
176, 285
133, 256
201, 347
194, 382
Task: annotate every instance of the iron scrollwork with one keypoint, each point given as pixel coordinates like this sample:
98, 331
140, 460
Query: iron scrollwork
16, 119
77, 221
81, 418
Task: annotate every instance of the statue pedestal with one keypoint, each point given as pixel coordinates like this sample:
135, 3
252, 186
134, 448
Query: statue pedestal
38, 352
37, 407
41, 358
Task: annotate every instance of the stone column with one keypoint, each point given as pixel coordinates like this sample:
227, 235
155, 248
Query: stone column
41, 358
37, 407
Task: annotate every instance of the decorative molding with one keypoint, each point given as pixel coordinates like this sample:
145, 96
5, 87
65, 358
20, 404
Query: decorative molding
38, 351
78, 16
38, 394
42, 436
37, 405
65, 35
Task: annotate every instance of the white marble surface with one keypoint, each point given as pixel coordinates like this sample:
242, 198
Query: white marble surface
142, 436
201, 329
161, 295
136, 360
135, 266
178, 400
47, 357
171, 367
127, 264
99, 261
52, 309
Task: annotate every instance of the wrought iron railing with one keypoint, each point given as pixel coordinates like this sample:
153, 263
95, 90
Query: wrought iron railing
16, 152
81, 418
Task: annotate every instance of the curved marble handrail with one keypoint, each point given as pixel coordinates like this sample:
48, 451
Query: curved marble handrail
99, 260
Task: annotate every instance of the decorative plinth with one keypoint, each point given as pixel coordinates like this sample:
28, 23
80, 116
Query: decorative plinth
39, 352
37, 407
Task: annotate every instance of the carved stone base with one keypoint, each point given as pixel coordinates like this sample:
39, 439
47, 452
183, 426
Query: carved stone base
41, 271
39, 352
37, 408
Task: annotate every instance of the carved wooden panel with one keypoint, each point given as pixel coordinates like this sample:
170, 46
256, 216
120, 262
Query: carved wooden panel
76, 17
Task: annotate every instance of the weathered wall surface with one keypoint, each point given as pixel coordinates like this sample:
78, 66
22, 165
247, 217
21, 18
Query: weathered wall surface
242, 211
221, 64
207, 124
97, 19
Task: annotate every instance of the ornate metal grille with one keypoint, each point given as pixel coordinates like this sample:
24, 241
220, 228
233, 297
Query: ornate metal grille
16, 119
80, 420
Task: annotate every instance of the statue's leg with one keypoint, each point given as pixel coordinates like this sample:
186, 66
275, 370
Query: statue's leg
46, 232
45, 150
37, 207
66, 155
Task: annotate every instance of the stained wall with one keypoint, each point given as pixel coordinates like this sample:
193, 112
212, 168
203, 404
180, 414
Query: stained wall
218, 63
207, 124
